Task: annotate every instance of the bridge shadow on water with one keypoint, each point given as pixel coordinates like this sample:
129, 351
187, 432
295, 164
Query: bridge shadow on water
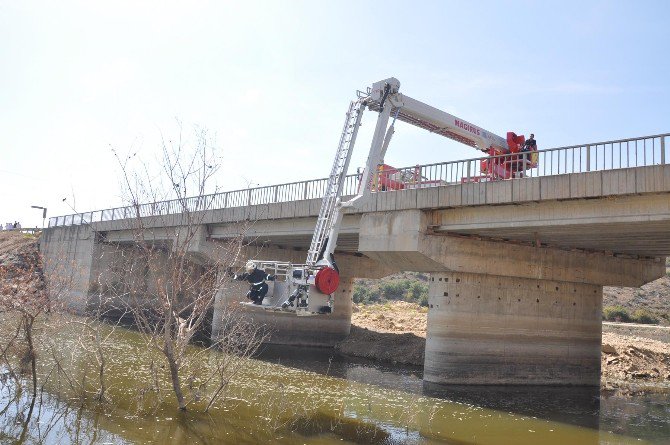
578, 406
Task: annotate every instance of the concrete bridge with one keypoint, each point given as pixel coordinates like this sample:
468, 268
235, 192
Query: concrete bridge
517, 267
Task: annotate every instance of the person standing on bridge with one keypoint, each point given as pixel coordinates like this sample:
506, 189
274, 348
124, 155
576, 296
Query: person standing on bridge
256, 277
530, 144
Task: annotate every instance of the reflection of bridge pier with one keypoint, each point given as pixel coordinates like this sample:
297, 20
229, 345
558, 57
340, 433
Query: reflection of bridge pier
517, 266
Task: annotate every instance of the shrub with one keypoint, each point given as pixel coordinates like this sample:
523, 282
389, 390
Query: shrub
616, 313
394, 290
361, 294
418, 293
644, 316
411, 290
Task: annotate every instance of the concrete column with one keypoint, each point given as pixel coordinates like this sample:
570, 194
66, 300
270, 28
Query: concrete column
485, 329
69, 255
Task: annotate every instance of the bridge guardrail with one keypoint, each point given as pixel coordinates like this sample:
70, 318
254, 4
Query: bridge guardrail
608, 155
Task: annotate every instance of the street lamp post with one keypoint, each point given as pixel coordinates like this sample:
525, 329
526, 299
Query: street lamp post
44, 213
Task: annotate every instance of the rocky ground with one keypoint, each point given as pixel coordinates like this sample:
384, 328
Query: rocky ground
396, 332
627, 359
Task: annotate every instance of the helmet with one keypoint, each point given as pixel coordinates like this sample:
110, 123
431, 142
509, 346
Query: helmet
250, 266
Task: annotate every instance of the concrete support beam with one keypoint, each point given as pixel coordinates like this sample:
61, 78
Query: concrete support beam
402, 239
604, 225
350, 265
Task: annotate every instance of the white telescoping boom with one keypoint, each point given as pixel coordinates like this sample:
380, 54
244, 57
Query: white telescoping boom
311, 285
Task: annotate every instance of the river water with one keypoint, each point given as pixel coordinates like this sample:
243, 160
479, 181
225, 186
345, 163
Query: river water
314, 396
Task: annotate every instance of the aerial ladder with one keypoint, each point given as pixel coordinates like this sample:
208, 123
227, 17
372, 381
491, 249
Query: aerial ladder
308, 289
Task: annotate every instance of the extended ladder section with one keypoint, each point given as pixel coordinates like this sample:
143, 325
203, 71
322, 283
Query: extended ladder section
327, 214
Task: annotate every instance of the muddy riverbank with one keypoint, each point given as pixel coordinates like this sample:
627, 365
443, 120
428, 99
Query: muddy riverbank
396, 332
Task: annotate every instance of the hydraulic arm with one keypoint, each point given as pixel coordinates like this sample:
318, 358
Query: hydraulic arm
308, 288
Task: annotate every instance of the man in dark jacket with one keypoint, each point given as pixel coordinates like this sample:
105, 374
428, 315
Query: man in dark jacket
256, 278
531, 144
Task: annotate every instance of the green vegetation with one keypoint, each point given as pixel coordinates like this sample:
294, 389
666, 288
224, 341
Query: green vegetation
408, 287
621, 314
616, 313
644, 316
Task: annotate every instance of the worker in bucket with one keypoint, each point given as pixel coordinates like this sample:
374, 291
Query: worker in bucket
530, 144
257, 278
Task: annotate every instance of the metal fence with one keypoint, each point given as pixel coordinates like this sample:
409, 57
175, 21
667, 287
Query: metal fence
609, 155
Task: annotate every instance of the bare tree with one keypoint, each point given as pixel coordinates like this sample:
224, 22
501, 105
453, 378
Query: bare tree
167, 274
24, 299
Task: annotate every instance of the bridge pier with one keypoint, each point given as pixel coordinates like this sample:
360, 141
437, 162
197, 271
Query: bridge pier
485, 329
504, 313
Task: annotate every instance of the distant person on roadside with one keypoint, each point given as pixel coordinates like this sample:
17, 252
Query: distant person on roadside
8, 226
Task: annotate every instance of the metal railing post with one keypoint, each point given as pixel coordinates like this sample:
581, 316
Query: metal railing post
663, 150
588, 158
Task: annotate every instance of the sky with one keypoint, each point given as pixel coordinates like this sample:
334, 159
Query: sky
271, 82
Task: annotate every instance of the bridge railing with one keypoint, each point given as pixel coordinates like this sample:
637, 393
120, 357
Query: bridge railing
608, 155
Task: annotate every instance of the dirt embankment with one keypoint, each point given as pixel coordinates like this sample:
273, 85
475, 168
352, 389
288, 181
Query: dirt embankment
13, 243
393, 332
396, 332
21, 279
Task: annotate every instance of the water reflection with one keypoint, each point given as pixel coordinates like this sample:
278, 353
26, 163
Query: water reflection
315, 396
643, 416
646, 415
574, 405
331, 363
44, 419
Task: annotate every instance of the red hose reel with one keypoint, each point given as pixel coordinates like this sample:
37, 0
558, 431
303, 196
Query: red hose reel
327, 280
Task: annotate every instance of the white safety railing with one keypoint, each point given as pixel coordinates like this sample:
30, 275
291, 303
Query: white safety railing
609, 155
